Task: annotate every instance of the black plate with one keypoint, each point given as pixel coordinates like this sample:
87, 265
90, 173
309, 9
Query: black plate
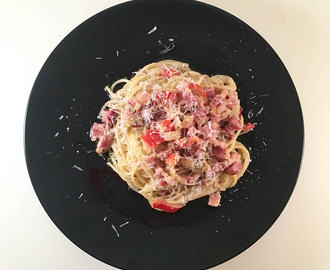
89, 203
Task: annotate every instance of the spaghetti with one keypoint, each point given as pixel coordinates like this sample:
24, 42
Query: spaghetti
171, 133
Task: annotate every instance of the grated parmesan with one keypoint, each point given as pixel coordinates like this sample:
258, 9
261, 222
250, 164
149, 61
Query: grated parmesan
114, 228
260, 111
250, 114
78, 168
167, 48
122, 225
152, 30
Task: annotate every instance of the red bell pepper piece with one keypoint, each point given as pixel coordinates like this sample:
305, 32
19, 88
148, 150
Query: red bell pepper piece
169, 72
200, 91
171, 96
173, 159
169, 208
166, 96
167, 124
247, 127
152, 138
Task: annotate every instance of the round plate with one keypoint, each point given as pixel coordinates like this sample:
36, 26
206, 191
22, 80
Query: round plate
90, 204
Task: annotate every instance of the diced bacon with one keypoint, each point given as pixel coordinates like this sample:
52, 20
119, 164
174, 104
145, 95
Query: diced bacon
200, 117
217, 100
214, 125
109, 116
161, 147
217, 105
173, 159
233, 124
234, 168
210, 130
189, 99
192, 131
160, 183
173, 145
205, 132
170, 72
151, 160
132, 102
221, 113
219, 166
234, 163
220, 153
194, 139
151, 111
192, 179
176, 122
214, 199
159, 172
169, 181
181, 86
186, 163
104, 143
223, 93
143, 98
133, 113
195, 156
209, 173
98, 130
231, 99
103, 134
210, 93
187, 122
162, 178
218, 109
186, 142
234, 156
195, 179
214, 141
163, 155
152, 138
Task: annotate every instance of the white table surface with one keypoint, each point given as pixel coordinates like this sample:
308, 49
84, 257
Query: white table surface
298, 30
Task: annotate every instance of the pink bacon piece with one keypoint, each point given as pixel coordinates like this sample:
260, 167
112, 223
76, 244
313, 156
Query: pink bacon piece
109, 116
98, 131
234, 168
214, 199
104, 144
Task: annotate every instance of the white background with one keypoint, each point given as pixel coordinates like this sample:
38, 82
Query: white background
298, 30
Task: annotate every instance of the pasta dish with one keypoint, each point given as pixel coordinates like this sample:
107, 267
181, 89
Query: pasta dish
171, 134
